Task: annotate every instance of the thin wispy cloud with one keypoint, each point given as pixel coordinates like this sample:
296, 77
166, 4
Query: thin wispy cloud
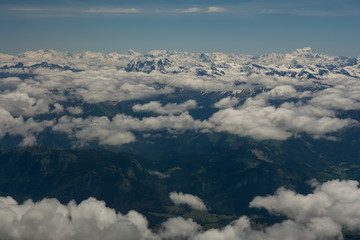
31, 9
241, 9
311, 12
41, 9
216, 9
190, 10
306, 8
111, 10
75, 10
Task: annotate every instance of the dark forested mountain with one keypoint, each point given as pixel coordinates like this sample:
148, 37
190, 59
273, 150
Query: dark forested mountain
227, 178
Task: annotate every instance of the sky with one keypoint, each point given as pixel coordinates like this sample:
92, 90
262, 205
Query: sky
243, 27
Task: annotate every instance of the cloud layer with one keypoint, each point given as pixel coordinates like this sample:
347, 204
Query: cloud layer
307, 8
323, 214
250, 97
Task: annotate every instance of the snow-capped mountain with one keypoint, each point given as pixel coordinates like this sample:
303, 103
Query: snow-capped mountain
302, 63
233, 126
87, 95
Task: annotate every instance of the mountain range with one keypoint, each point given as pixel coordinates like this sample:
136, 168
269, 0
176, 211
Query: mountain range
301, 63
179, 136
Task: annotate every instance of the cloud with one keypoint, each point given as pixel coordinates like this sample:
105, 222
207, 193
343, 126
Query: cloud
305, 106
283, 91
157, 174
58, 108
324, 214
100, 129
188, 81
17, 126
307, 8
339, 98
94, 86
241, 229
188, 199
227, 102
113, 10
179, 228
75, 110
71, 11
49, 219
256, 119
18, 103
119, 130
191, 10
336, 200
215, 9
170, 108
10, 82
252, 8
309, 11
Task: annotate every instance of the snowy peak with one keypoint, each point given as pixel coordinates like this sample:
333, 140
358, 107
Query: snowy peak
307, 53
305, 50
148, 65
302, 63
131, 52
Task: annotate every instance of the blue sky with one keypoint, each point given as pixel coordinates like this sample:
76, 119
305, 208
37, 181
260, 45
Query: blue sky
243, 27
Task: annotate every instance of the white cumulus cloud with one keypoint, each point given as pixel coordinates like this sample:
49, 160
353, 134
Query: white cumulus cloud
257, 119
18, 103
119, 130
227, 102
283, 91
49, 219
155, 106
18, 126
324, 214
336, 200
75, 110
188, 199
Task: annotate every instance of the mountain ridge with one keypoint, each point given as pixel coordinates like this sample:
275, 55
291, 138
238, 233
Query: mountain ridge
302, 63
